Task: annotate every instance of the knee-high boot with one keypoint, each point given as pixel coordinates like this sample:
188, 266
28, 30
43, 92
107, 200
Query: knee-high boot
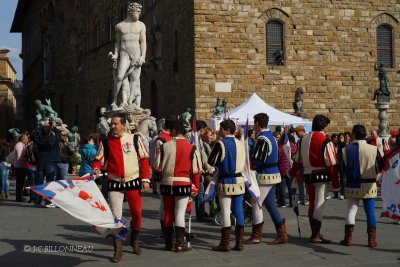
117, 250
281, 234
224, 244
348, 234
135, 242
316, 236
169, 238
371, 230
239, 231
256, 235
180, 245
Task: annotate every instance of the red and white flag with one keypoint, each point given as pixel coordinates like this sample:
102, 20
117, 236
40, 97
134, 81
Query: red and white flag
82, 199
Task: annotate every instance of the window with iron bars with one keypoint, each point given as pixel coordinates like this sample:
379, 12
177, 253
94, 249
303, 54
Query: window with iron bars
274, 40
384, 39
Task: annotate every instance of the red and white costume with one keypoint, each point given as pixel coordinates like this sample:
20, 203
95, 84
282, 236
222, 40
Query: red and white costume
382, 144
125, 159
317, 155
162, 138
180, 167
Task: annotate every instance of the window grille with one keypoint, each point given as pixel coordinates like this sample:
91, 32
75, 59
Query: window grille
274, 40
385, 45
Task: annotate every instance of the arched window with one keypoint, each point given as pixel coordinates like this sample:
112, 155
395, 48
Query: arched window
384, 40
275, 51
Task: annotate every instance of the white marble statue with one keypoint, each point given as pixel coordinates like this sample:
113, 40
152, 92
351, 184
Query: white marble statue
129, 56
103, 126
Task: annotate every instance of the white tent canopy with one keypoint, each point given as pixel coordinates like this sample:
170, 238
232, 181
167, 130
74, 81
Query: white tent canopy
255, 105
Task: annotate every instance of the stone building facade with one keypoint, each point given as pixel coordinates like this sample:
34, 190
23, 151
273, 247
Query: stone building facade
201, 49
7, 99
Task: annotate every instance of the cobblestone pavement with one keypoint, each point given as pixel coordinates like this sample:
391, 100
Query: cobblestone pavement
39, 237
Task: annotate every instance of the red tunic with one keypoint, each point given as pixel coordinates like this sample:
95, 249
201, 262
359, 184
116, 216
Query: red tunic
318, 157
180, 167
121, 159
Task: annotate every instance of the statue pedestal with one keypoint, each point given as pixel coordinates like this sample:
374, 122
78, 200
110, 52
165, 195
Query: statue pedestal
302, 114
382, 107
134, 115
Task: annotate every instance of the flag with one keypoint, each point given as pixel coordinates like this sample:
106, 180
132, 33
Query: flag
390, 188
249, 175
82, 199
210, 192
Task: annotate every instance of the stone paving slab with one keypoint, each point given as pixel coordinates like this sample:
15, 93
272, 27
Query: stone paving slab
23, 229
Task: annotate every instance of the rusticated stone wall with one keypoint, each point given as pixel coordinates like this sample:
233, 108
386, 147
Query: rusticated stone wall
329, 46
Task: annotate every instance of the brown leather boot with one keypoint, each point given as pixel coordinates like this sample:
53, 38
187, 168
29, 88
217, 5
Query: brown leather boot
256, 235
371, 230
169, 238
281, 234
316, 237
180, 245
348, 234
224, 244
239, 231
135, 242
117, 250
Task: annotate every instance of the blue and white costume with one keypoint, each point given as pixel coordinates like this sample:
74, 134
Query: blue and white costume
265, 162
362, 163
264, 158
228, 156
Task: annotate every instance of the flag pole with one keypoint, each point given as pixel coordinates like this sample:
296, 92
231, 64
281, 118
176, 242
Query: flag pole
190, 227
295, 204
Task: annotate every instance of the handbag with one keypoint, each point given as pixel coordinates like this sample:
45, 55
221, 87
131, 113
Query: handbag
12, 157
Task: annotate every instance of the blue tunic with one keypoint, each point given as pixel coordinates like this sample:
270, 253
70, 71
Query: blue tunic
228, 156
265, 154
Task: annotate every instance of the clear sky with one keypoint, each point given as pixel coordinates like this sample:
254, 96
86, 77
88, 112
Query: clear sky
11, 41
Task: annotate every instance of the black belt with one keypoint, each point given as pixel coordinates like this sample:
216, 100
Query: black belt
361, 181
230, 175
265, 166
313, 178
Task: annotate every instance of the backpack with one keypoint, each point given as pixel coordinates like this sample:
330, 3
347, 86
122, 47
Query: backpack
31, 151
